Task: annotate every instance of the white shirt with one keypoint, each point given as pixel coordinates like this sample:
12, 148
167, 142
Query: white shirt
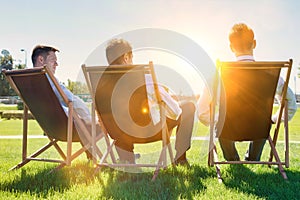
79, 106
173, 110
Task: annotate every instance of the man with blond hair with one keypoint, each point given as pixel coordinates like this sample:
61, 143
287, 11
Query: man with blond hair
242, 44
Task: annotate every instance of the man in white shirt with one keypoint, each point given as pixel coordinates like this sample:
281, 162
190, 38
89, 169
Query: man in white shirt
45, 55
242, 44
119, 52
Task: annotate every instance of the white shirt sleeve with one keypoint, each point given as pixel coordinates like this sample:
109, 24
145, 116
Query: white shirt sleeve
79, 106
203, 106
172, 106
173, 110
291, 101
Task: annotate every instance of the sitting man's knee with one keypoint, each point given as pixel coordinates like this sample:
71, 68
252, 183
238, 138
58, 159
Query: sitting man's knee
188, 107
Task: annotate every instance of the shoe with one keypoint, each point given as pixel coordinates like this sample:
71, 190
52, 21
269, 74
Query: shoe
182, 162
125, 156
89, 156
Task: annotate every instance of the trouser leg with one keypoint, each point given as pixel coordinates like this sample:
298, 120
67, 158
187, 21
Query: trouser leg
229, 151
84, 140
184, 129
255, 150
125, 151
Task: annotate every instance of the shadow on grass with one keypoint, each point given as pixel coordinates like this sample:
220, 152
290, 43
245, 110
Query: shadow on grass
264, 183
172, 183
42, 182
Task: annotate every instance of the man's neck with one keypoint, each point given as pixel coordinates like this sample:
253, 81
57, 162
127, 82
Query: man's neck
244, 53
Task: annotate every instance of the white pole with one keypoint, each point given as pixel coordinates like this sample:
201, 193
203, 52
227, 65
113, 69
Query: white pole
25, 57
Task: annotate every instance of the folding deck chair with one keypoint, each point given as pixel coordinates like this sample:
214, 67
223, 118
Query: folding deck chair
120, 98
34, 88
245, 92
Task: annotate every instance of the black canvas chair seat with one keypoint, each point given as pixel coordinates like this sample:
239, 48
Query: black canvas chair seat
120, 99
33, 87
244, 93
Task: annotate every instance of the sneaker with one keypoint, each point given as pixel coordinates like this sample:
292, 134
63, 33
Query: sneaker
182, 160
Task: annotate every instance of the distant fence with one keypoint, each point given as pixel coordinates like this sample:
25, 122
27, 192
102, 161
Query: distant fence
10, 99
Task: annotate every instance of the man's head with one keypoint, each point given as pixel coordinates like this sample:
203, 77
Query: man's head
242, 40
44, 55
118, 52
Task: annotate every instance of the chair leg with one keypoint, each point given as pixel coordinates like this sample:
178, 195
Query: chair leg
112, 155
218, 169
210, 161
57, 168
159, 164
155, 174
286, 135
34, 155
104, 157
59, 150
171, 153
281, 170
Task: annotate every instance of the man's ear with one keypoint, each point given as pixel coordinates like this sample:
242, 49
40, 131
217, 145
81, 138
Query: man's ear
126, 58
40, 60
254, 44
231, 47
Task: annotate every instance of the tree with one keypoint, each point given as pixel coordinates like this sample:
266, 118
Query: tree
77, 87
6, 63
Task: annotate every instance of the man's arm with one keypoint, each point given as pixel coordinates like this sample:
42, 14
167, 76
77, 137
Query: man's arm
173, 108
204, 107
291, 101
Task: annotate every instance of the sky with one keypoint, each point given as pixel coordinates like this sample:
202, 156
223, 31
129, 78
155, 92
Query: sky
78, 27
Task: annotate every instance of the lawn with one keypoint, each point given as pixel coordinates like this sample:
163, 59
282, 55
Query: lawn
79, 181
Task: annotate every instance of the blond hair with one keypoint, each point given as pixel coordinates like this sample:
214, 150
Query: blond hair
241, 37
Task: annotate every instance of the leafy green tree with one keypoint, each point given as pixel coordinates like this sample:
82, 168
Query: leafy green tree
77, 87
6, 63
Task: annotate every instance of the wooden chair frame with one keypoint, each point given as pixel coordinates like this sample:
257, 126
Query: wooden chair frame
213, 156
69, 156
162, 162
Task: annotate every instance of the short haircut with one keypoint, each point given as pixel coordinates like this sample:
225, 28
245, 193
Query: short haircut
116, 48
41, 50
241, 37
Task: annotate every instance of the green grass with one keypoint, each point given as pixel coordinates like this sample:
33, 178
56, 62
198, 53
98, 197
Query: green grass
78, 181
8, 106
33, 181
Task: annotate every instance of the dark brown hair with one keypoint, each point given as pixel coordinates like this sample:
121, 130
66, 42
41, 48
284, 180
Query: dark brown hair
41, 50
